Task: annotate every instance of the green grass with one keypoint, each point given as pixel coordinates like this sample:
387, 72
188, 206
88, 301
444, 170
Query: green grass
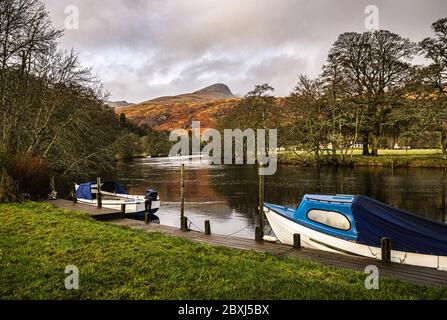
427, 158
410, 152
37, 242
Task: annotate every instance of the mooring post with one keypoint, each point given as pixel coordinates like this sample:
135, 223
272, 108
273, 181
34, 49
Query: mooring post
297, 241
386, 250
147, 219
98, 193
260, 232
184, 224
183, 219
73, 194
123, 208
207, 227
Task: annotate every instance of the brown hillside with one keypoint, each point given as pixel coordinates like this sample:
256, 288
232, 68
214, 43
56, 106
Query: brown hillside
212, 93
177, 112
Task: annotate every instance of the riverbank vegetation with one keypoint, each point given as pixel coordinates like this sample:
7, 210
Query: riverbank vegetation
422, 158
143, 141
53, 119
370, 95
38, 242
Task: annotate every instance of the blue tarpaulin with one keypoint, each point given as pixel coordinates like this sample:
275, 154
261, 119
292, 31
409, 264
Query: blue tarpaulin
85, 190
113, 187
409, 233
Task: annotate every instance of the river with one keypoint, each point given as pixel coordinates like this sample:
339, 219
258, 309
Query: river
227, 195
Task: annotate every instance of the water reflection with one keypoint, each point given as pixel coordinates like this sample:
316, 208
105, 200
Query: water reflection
227, 195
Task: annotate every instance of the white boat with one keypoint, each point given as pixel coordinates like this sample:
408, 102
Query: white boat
114, 196
356, 225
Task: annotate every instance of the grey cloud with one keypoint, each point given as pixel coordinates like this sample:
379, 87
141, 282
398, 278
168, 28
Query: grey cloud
144, 49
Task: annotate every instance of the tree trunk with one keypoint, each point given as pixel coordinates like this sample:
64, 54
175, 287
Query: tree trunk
366, 144
375, 146
442, 143
317, 154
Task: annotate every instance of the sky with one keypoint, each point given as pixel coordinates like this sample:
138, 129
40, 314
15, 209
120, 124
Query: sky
143, 49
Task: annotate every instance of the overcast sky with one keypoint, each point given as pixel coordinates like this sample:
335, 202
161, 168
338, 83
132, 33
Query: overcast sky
142, 49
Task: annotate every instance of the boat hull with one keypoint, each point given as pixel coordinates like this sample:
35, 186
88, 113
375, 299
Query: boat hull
137, 207
285, 228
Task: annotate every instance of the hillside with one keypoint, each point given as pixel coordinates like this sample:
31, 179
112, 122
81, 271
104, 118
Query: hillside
176, 112
118, 104
212, 93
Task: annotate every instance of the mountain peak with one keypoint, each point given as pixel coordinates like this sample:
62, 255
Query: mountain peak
219, 88
118, 104
218, 91
172, 112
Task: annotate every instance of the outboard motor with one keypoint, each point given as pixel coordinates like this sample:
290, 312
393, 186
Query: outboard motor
150, 196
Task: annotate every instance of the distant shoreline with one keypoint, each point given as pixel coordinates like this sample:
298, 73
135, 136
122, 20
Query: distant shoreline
387, 159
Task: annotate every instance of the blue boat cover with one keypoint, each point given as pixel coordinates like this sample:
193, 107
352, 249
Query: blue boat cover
85, 190
409, 233
113, 187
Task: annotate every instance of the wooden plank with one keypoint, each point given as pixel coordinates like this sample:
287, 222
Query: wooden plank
102, 214
414, 274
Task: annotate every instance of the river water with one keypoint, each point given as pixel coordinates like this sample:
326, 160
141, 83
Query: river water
227, 195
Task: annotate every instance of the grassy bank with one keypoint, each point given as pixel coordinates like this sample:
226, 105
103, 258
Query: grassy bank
37, 242
386, 158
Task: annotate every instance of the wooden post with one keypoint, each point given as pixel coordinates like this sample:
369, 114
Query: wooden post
297, 241
123, 208
183, 221
147, 220
386, 250
73, 195
260, 236
207, 227
98, 193
184, 224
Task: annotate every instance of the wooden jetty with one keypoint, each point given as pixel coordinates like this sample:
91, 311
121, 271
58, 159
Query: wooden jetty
413, 274
102, 214
409, 273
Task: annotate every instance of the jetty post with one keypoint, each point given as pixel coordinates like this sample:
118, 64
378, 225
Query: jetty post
386, 250
183, 219
297, 241
207, 227
98, 193
259, 233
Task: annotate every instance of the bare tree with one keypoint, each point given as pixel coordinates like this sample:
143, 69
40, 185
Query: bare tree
51, 108
305, 129
377, 65
431, 94
323, 121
